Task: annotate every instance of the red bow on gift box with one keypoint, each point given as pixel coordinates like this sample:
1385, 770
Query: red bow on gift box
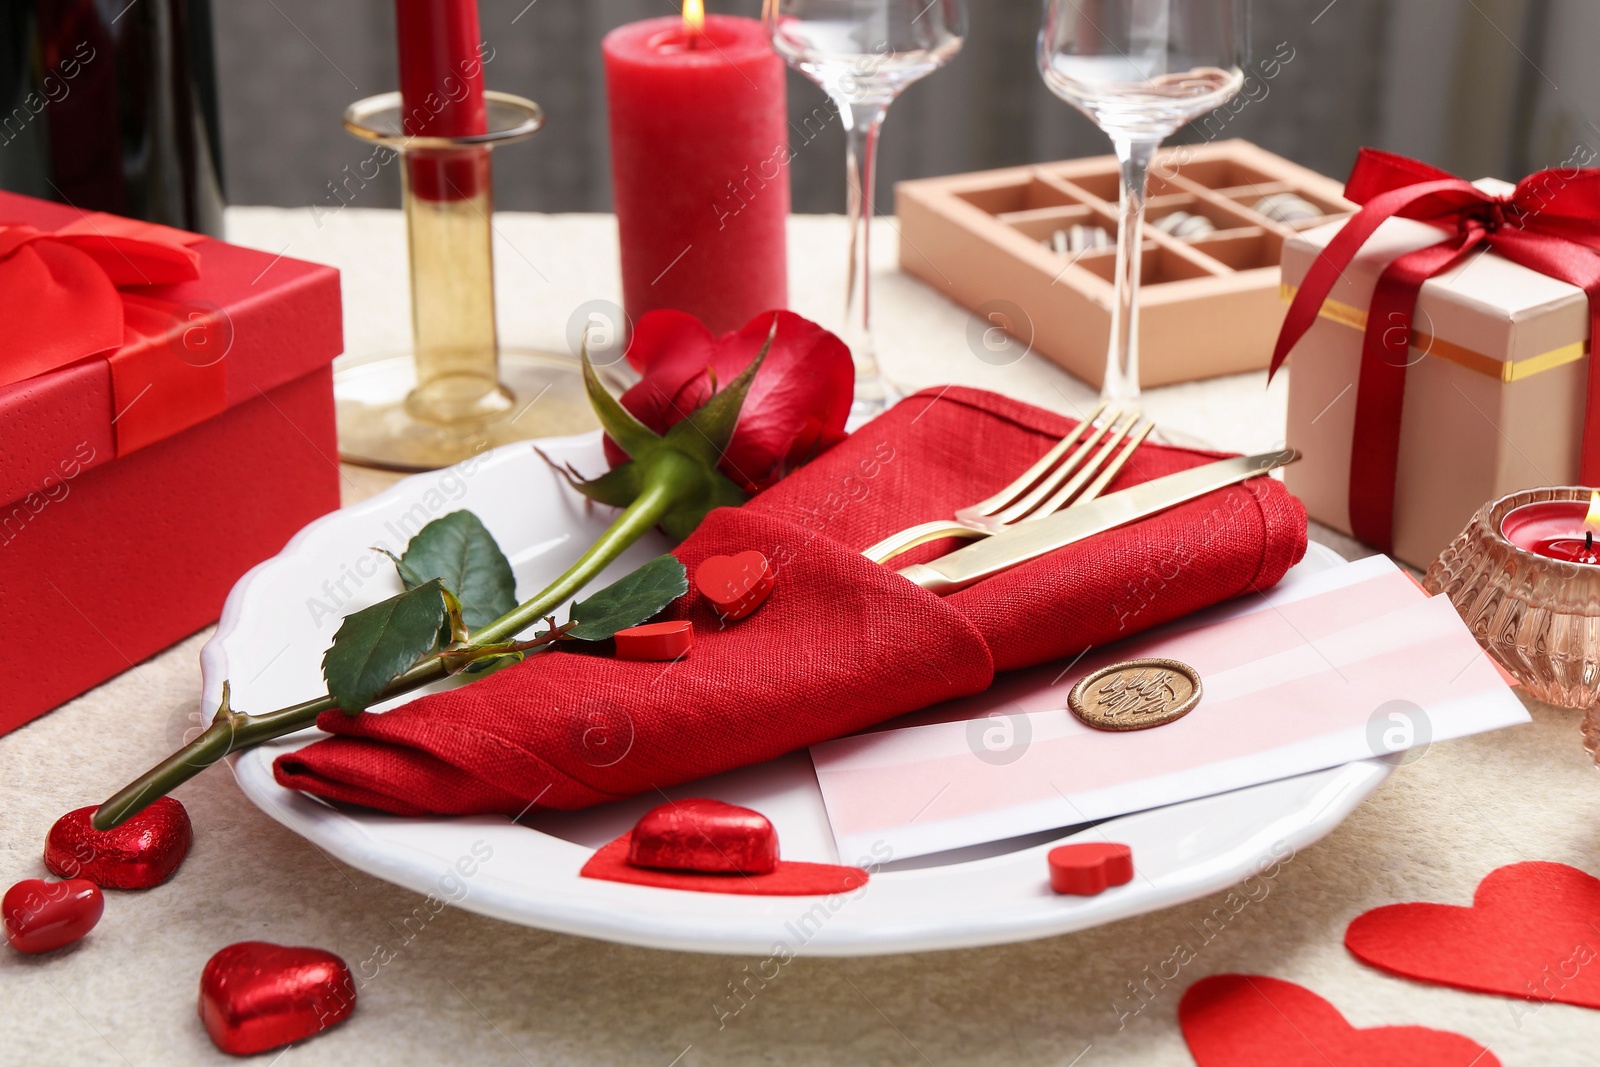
1549, 223
78, 293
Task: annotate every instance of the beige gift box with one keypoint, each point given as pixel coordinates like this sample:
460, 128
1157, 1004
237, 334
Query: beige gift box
1494, 398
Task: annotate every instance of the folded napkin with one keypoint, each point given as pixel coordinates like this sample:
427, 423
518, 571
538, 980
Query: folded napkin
840, 645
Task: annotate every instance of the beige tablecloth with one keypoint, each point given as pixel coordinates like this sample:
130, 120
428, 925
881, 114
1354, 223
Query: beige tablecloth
469, 989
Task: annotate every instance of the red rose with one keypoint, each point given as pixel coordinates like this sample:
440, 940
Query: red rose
796, 408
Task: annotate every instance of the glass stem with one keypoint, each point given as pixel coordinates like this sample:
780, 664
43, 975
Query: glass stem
862, 122
1122, 361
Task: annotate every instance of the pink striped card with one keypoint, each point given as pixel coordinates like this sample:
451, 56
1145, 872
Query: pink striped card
1340, 665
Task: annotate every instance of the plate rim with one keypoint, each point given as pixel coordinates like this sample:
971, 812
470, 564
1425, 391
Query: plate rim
604, 911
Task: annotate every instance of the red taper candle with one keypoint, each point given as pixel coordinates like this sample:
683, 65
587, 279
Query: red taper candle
441, 93
700, 167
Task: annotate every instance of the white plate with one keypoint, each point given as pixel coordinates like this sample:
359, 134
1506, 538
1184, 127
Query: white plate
282, 615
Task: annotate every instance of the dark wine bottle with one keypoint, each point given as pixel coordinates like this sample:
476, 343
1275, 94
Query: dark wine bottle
111, 105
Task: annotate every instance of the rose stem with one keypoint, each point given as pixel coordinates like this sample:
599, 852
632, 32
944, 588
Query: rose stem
232, 731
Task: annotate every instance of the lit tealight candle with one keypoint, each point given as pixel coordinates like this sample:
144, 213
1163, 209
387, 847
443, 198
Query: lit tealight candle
1562, 530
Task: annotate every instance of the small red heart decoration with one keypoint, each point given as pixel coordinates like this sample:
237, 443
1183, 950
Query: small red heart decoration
40, 915
1247, 1020
255, 995
735, 585
704, 835
1088, 868
655, 642
140, 853
1531, 932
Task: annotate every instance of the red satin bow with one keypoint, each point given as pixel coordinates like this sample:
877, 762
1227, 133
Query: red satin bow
58, 289
1550, 223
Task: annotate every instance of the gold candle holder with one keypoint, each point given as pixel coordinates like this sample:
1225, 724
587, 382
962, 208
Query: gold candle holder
457, 392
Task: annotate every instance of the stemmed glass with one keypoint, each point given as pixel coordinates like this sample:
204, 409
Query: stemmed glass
1140, 69
863, 53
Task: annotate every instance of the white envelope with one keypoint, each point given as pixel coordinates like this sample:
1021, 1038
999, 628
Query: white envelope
1342, 665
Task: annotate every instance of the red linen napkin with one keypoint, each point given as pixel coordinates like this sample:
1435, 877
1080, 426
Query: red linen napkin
841, 644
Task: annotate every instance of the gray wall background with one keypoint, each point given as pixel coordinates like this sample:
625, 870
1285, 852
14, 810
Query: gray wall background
1479, 87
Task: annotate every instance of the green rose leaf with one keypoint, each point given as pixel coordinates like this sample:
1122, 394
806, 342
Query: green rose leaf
376, 645
459, 551
631, 601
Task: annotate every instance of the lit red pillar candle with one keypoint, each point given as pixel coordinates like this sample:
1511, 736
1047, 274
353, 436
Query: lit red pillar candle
441, 93
699, 158
1558, 529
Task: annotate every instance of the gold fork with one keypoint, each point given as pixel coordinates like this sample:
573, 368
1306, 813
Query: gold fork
1058, 480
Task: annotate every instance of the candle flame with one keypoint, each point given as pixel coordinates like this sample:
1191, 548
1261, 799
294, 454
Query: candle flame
1591, 521
694, 16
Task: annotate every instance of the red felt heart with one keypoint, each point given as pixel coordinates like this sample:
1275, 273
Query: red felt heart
735, 585
1531, 932
255, 995
1246, 1020
40, 915
700, 834
655, 642
140, 853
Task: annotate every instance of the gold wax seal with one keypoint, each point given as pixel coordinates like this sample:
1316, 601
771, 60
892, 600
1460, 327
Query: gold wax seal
1136, 694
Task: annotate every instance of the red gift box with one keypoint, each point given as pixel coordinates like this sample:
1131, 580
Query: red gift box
166, 422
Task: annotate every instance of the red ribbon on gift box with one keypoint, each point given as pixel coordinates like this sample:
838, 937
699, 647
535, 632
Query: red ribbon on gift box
79, 293
1549, 223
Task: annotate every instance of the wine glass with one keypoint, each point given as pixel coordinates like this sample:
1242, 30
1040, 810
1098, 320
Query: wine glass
863, 53
1140, 69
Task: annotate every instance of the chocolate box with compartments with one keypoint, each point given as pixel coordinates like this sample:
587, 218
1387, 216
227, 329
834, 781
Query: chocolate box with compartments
1495, 385
138, 484
1208, 303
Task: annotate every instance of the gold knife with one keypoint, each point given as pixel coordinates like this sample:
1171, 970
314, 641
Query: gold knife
1037, 537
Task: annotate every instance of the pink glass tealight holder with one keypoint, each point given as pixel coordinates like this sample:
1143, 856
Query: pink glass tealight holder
1536, 614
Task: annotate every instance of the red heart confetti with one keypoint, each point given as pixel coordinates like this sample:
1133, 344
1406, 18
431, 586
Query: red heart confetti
704, 835
735, 585
40, 915
1531, 932
1088, 868
1246, 1020
140, 853
655, 642
256, 996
